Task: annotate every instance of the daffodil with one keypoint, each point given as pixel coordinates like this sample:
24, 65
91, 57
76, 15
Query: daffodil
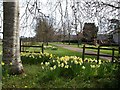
26, 86
47, 63
2, 63
51, 68
58, 61
40, 56
96, 61
54, 67
72, 61
59, 65
58, 58
83, 67
92, 66
62, 64
43, 67
11, 63
66, 66
53, 60
41, 63
100, 62
80, 63
65, 62
97, 66
62, 58
76, 62
47, 54
0, 52
51, 55
66, 58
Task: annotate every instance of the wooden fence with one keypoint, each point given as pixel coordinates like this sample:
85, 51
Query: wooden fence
22, 48
98, 52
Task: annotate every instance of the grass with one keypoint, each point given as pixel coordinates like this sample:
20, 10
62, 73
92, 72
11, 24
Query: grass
37, 77
63, 52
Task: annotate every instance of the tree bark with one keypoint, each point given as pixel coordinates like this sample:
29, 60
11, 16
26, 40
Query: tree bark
11, 46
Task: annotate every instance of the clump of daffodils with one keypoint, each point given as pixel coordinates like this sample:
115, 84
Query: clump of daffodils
70, 61
72, 66
52, 62
38, 57
63, 62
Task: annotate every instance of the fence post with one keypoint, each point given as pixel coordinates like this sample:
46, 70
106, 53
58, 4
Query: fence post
98, 53
113, 54
119, 54
83, 54
42, 48
20, 44
23, 47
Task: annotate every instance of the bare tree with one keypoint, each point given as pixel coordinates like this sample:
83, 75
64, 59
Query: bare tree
44, 31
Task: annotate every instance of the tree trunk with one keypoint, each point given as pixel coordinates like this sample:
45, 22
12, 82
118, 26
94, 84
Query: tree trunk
11, 46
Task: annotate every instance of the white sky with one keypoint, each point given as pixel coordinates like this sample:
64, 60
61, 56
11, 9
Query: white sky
47, 8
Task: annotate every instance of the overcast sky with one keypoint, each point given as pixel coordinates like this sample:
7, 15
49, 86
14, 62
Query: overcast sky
47, 7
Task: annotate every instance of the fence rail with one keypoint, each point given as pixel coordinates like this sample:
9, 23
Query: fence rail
102, 48
31, 46
23, 46
98, 52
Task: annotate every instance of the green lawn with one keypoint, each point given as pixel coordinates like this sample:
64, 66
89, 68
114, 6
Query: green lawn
63, 52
